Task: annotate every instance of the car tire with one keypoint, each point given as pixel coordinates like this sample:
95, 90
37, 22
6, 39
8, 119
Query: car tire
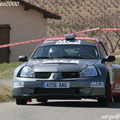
41, 100
116, 98
103, 102
21, 101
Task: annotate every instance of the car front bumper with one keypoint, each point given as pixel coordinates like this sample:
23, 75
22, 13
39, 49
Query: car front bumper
79, 88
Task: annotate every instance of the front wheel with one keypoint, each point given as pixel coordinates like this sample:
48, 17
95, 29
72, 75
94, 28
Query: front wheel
21, 101
103, 102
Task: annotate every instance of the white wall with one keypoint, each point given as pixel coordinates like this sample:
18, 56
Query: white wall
25, 25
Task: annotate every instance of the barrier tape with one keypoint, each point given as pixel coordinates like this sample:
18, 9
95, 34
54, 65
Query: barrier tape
110, 29
85, 31
74, 33
40, 40
22, 43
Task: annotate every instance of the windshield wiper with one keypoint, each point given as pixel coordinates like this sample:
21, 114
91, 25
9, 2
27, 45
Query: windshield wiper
67, 57
74, 57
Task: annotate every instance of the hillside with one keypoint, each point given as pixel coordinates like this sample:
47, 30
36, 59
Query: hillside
76, 13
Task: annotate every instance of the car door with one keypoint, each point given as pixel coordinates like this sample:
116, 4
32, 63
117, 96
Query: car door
114, 71
105, 53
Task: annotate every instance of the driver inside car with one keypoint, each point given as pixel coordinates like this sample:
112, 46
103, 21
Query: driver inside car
55, 52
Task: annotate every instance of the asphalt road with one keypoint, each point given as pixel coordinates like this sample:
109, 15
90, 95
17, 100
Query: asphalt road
60, 110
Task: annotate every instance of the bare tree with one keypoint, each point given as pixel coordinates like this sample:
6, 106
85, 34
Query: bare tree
105, 21
82, 22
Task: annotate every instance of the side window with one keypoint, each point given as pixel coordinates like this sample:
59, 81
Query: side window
103, 50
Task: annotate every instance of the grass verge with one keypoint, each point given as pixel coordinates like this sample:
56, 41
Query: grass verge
6, 72
117, 61
7, 69
5, 94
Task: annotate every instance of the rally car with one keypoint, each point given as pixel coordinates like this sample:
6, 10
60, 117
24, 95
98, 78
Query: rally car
67, 67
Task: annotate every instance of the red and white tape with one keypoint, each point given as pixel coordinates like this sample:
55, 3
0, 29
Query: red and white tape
85, 31
74, 33
40, 40
110, 29
21, 43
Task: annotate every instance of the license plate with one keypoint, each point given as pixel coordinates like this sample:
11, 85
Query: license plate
55, 85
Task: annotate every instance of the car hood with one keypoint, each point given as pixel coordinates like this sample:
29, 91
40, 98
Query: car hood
60, 65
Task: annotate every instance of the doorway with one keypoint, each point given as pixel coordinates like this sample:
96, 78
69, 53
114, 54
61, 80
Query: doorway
4, 39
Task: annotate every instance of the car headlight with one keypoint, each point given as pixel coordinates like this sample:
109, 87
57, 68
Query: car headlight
89, 71
27, 72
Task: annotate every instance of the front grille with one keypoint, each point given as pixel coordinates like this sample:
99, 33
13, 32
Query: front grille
70, 74
54, 91
42, 74
46, 75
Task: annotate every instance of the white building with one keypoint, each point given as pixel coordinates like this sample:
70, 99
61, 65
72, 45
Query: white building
22, 23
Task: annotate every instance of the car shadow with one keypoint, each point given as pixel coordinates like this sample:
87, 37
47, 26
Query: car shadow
75, 104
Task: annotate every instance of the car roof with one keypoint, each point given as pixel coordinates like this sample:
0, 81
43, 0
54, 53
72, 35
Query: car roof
77, 38
58, 41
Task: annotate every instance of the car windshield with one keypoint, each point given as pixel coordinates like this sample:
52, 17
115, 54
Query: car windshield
66, 51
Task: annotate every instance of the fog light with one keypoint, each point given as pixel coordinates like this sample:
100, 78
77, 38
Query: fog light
28, 90
85, 90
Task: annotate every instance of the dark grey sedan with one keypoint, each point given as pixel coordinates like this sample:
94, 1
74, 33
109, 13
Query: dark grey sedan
66, 68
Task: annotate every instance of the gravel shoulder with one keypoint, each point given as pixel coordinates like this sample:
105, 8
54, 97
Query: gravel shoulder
7, 82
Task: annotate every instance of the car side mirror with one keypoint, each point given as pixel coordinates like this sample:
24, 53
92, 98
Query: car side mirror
22, 58
109, 59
